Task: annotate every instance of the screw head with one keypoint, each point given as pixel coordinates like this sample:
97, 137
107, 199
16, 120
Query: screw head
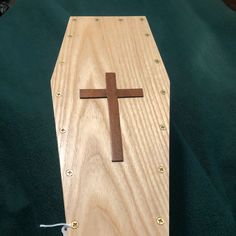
161, 169
69, 172
157, 61
58, 94
163, 92
74, 19
96, 19
162, 127
147, 35
70, 35
121, 19
160, 221
142, 19
75, 225
62, 130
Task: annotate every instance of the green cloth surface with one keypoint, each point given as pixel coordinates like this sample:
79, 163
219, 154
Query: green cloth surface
197, 41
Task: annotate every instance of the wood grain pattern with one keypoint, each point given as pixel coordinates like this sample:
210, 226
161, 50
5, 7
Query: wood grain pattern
106, 198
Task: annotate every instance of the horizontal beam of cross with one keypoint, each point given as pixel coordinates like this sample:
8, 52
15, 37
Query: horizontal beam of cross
102, 93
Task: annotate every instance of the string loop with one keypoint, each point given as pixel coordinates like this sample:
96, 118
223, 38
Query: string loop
63, 229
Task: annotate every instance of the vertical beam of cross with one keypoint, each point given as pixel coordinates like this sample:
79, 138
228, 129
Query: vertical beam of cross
114, 117
112, 94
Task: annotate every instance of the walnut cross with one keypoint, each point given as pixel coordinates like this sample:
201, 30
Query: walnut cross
112, 94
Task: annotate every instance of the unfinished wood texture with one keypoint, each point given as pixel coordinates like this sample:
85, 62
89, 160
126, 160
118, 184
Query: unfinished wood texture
129, 198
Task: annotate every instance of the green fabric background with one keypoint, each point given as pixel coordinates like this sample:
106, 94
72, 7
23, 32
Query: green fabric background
197, 40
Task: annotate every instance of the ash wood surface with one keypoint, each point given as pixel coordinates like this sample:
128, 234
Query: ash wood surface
107, 198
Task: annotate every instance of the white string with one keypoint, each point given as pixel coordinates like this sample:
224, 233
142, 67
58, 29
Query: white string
63, 229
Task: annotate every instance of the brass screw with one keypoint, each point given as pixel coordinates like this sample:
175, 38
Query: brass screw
160, 221
161, 169
70, 35
75, 225
157, 61
121, 19
62, 130
142, 19
74, 19
96, 19
58, 94
147, 35
162, 127
69, 172
163, 92
61, 62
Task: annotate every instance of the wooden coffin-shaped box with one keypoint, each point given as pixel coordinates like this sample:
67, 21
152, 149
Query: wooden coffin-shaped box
110, 95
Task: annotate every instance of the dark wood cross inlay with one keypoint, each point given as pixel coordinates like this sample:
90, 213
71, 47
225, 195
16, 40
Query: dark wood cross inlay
112, 94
